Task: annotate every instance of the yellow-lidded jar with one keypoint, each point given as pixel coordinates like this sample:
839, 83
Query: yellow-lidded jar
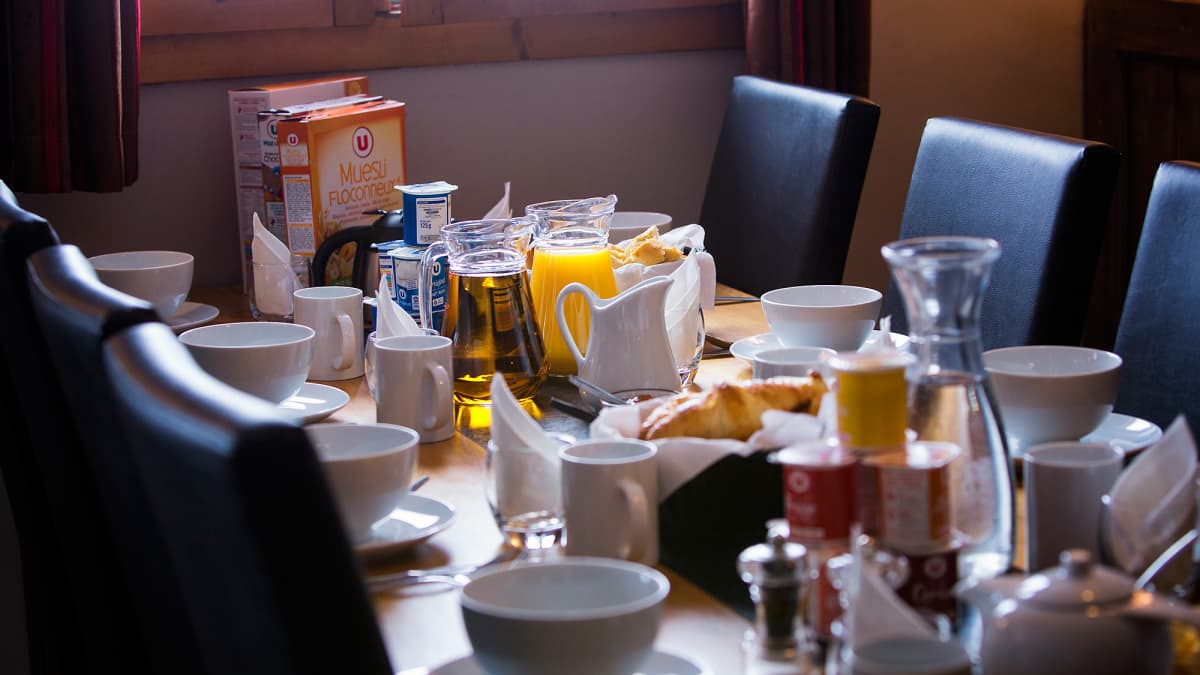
872, 399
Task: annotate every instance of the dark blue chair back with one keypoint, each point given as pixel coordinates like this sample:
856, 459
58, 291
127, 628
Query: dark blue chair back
77, 616
785, 182
264, 566
1157, 335
1045, 198
75, 312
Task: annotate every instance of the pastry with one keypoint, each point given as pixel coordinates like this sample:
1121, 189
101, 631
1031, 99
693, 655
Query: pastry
733, 409
646, 248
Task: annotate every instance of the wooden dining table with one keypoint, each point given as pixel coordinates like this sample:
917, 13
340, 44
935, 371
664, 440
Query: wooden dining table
422, 625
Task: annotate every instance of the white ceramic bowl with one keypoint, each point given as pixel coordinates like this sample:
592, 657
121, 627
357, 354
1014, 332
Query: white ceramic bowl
835, 317
369, 468
585, 616
267, 359
1052, 393
629, 224
161, 278
792, 362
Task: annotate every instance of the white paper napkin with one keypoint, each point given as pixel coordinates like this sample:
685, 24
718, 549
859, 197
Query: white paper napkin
392, 321
680, 237
875, 613
681, 459
512, 427
683, 310
502, 208
1153, 501
274, 279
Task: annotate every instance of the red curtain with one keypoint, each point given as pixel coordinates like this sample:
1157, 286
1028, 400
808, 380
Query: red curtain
819, 43
69, 75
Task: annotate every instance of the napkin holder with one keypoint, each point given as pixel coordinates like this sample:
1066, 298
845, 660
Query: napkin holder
709, 520
715, 498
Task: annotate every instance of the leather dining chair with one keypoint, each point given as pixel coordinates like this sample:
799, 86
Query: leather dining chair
1045, 198
263, 564
1157, 334
119, 548
784, 184
39, 473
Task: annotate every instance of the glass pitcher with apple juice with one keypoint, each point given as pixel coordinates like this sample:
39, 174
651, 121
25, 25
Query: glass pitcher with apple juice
489, 313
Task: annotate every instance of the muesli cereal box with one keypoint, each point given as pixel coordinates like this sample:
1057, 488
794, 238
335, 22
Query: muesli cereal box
244, 106
338, 166
272, 181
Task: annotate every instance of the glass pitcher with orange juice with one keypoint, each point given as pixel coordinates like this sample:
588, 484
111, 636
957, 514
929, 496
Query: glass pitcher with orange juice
489, 312
570, 245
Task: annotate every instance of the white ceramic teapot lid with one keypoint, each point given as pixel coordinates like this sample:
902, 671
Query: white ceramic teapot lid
1076, 583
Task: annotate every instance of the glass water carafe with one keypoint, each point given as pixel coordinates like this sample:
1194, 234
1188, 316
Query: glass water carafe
489, 312
942, 280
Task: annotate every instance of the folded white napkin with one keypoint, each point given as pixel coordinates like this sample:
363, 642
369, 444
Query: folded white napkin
680, 237
683, 311
523, 457
392, 321
875, 613
502, 208
512, 427
681, 459
1153, 501
274, 279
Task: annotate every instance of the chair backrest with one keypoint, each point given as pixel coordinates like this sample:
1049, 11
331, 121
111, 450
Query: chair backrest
122, 541
1156, 338
37, 445
263, 563
1045, 198
785, 182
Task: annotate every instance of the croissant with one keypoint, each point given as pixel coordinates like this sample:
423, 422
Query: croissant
733, 409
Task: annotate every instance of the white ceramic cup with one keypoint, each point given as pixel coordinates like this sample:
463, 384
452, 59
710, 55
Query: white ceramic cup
161, 278
369, 468
792, 362
1064, 483
413, 384
335, 314
610, 498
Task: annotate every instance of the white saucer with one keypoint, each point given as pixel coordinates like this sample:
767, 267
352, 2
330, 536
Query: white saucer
314, 402
1127, 433
746, 348
416, 519
659, 663
192, 314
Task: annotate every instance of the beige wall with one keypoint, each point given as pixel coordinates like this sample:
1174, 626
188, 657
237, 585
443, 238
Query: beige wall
1016, 62
642, 127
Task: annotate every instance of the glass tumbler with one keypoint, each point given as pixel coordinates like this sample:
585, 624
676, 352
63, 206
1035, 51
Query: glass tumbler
524, 491
942, 280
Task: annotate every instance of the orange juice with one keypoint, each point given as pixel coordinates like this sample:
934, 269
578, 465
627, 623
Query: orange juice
553, 268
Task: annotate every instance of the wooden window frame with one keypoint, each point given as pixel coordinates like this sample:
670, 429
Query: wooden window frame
187, 40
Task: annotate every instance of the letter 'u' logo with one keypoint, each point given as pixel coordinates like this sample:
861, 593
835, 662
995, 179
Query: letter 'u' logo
364, 142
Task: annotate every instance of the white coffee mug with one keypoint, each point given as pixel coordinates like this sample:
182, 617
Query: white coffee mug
1064, 483
610, 498
335, 314
792, 362
413, 385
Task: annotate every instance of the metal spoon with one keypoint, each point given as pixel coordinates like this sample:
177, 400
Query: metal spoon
602, 394
457, 575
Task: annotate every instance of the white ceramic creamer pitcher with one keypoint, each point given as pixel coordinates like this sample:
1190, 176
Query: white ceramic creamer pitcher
627, 344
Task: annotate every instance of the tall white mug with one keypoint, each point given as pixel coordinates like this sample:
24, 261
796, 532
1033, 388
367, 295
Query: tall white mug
1064, 483
610, 499
413, 384
335, 314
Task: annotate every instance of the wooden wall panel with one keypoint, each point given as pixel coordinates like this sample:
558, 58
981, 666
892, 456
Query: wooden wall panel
1141, 95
